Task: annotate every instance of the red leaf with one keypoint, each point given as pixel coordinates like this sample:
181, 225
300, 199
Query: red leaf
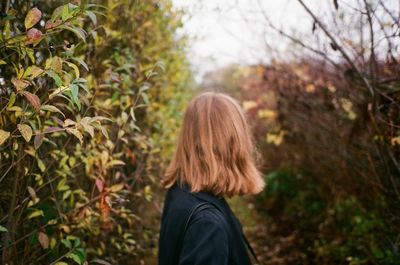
52, 129
50, 25
43, 240
33, 99
99, 184
33, 35
37, 142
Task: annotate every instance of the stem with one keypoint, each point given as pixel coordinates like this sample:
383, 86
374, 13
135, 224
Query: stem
9, 237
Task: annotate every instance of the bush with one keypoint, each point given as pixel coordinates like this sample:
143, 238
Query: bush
340, 232
86, 90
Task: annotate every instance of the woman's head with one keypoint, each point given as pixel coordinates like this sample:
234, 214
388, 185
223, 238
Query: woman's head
215, 150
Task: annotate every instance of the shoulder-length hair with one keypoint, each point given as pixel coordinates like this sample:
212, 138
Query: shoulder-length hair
215, 150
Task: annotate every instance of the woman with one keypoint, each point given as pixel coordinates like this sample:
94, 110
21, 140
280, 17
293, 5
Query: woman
214, 159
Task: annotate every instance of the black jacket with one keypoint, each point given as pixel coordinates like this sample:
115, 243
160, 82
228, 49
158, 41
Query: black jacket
213, 236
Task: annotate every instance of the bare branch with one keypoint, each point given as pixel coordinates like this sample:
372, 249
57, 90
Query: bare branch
342, 51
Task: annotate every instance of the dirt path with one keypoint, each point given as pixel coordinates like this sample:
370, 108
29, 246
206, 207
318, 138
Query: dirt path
271, 248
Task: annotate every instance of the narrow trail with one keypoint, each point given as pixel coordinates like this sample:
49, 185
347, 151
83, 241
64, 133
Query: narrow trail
265, 236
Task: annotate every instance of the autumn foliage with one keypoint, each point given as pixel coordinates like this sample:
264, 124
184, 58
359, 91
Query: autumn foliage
81, 116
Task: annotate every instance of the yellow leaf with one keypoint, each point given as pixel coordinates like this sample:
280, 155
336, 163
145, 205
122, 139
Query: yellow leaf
32, 192
15, 108
76, 69
76, 133
68, 122
115, 163
55, 64
267, 113
26, 131
51, 108
116, 187
36, 213
20, 84
34, 15
395, 140
310, 88
2, 62
32, 72
84, 122
275, 138
249, 104
3, 136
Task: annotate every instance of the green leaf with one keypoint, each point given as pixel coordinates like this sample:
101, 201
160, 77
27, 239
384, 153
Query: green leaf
75, 257
55, 77
80, 33
66, 243
92, 16
41, 165
66, 194
34, 15
81, 62
3, 229
77, 242
57, 13
61, 186
3, 136
11, 101
26, 131
75, 92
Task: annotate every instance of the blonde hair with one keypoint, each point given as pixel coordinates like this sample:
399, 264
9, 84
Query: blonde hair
215, 150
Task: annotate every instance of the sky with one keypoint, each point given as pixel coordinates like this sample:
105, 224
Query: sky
234, 31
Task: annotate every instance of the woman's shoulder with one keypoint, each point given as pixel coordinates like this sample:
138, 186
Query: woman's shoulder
211, 216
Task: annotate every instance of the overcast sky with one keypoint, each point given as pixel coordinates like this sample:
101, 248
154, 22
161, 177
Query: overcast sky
233, 31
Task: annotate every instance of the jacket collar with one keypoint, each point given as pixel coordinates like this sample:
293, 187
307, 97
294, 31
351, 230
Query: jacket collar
206, 196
